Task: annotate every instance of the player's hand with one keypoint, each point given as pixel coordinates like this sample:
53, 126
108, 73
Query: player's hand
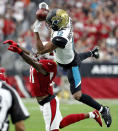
36, 26
43, 5
10, 42
15, 49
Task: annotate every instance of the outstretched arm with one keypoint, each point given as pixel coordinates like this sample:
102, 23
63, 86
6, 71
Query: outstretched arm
11, 42
49, 47
24, 50
14, 48
33, 63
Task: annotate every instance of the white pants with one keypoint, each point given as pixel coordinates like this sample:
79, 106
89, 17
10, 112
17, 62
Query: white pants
52, 115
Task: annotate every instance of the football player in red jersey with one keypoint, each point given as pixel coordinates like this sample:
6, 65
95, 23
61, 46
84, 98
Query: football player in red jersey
42, 73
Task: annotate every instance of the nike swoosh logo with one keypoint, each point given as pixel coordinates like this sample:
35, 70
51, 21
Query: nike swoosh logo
49, 64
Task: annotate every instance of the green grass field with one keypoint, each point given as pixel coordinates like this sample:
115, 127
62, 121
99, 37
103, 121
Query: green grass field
36, 123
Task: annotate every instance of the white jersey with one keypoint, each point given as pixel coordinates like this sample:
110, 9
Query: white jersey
65, 55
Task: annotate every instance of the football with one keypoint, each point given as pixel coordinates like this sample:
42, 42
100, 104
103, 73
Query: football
41, 14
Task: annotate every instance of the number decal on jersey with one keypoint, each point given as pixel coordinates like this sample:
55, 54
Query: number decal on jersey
31, 75
51, 75
0, 102
60, 33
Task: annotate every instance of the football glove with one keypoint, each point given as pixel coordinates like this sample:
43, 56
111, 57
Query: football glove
10, 42
43, 5
15, 49
36, 26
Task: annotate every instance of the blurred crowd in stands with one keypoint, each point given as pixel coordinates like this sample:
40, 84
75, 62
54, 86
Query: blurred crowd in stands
95, 22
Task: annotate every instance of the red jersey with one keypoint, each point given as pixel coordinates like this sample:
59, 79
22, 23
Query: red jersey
41, 84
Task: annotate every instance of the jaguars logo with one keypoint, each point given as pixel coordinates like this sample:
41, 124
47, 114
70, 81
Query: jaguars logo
57, 19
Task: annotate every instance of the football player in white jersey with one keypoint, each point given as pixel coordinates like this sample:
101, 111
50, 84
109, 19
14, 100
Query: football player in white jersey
63, 45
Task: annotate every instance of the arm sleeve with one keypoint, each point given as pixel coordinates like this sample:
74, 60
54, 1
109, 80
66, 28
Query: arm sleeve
51, 68
60, 38
59, 41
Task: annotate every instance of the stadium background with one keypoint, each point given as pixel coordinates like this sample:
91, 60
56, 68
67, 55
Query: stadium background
95, 22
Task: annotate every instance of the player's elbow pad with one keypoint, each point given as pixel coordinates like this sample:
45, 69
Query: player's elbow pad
59, 41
